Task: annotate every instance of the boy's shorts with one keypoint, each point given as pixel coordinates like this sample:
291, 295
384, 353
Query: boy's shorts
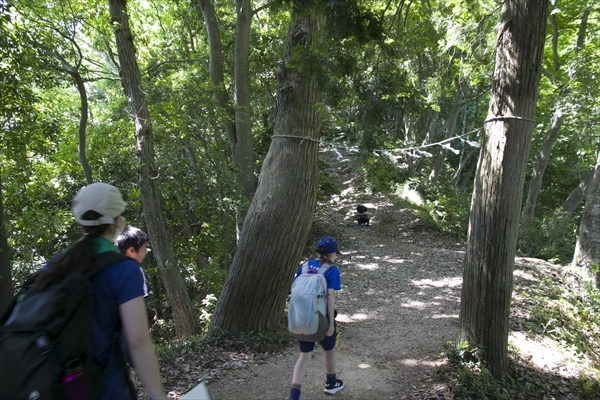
327, 344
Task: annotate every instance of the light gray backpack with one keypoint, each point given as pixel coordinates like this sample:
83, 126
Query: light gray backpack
307, 313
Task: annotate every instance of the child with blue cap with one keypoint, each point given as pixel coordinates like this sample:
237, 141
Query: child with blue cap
326, 250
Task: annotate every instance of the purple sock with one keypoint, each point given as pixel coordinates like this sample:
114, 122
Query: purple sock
295, 392
331, 379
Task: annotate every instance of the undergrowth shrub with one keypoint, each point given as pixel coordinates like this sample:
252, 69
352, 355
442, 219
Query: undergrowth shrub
562, 304
382, 174
446, 206
550, 238
469, 376
566, 307
327, 187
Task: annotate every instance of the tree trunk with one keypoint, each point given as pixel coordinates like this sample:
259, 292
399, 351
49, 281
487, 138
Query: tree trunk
239, 129
6, 285
186, 320
464, 161
87, 171
468, 178
71, 70
496, 200
438, 161
579, 193
587, 249
432, 118
540, 166
583, 28
216, 69
281, 212
243, 152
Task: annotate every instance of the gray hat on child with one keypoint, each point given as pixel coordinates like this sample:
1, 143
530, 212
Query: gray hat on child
103, 198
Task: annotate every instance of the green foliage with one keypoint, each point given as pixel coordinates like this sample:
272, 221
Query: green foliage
550, 238
208, 307
445, 205
170, 350
327, 187
385, 69
348, 18
472, 378
208, 281
469, 378
382, 174
565, 306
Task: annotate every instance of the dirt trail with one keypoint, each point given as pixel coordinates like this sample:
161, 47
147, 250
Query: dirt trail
399, 303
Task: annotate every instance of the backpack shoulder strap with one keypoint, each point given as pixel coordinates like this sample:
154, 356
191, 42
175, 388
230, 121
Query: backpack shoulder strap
323, 268
105, 260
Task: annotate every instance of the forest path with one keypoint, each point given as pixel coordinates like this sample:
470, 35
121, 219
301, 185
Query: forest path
398, 305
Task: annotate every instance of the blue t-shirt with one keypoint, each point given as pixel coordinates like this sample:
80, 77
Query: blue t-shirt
112, 287
332, 274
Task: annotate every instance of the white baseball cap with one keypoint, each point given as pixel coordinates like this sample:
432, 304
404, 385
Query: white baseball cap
103, 198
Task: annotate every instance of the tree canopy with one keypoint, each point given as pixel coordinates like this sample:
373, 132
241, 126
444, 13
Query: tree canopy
403, 84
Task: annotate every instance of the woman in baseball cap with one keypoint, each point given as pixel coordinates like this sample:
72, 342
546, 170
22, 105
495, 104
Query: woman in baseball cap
117, 293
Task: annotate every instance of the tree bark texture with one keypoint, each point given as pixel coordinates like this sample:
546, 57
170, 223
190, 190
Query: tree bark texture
6, 285
186, 320
587, 249
243, 151
280, 215
496, 200
540, 165
438, 162
416, 162
216, 69
579, 193
81, 148
464, 161
237, 121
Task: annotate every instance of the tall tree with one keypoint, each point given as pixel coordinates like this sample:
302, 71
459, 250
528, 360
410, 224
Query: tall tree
457, 106
281, 212
186, 320
73, 71
216, 69
496, 199
587, 249
579, 193
237, 121
540, 166
562, 65
243, 149
6, 286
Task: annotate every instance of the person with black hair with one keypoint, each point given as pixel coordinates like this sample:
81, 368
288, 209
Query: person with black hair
362, 216
133, 242
118, 294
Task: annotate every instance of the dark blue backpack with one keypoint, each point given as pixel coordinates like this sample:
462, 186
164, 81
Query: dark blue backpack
45, 340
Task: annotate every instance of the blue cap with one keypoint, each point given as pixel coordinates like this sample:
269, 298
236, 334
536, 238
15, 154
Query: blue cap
327, 245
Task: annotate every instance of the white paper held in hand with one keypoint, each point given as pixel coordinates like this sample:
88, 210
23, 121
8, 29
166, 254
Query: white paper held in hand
198, 392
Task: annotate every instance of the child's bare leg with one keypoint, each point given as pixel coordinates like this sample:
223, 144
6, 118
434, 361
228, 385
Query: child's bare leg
330, 362
300, 368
